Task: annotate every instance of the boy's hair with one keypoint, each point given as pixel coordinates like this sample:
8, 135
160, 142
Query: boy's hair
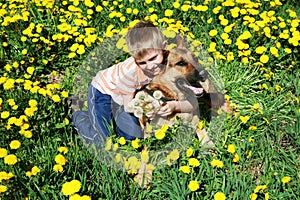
142, 37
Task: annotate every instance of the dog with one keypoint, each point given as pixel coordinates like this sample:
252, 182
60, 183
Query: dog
182, 70
177, 81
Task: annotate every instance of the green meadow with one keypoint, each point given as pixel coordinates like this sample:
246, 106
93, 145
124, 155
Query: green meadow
254, 49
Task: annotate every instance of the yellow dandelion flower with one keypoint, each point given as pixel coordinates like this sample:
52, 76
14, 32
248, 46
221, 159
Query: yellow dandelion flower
264, 58
135, 11
265, 86
32, 103
260, 188
169, 34
193, 185
244, 119
256, 106
286, 179
151, 10
30, 111
287, 50
135, 143
5, 114
99, 8
10, 159
185, 7
16, 64
176, 4
201, 125
253, 196
28, 173
260, 49
64, 94
213, 33
219, 196
174, 155
189, 152
5, 176
236, 158
115, 147
58, 168
3, 189
75, 197
252, 128
231, 148
267, 196
150, 167
24, 51
35, 170
274, 51
72, 55
60, 159
216, 163
81, 49
89, 3
63, 150
28, 134
30, 70
66, 120
55, 98
3, 152
71, 187
209, 21
194, 162
168, 13
108, 144
118, 157
15, 144
122, 141
160, 134
145, 156
217, 9
185, 169
128, 10
11, 102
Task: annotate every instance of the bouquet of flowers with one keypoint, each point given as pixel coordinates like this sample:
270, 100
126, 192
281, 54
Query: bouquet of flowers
145, 104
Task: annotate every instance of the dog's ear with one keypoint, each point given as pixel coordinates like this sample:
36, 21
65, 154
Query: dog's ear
180, 42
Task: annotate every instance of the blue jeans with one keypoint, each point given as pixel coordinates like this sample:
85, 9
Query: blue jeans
105, 117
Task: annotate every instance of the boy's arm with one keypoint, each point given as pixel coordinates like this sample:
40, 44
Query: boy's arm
185, 106
126, 99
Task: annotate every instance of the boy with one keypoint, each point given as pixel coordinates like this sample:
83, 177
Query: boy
113, 88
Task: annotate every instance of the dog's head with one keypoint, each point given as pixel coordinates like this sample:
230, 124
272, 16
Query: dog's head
185, 62
182, 68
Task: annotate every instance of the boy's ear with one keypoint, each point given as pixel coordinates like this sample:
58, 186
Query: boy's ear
165, 45
180, 42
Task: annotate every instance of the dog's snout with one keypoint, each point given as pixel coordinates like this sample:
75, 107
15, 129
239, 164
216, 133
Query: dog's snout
203, 75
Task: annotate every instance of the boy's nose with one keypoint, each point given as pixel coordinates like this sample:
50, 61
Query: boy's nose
151, 66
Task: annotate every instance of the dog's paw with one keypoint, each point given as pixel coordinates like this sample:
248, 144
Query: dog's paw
144, 176
204, 138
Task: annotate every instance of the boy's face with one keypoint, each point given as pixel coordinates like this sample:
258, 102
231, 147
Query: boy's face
150, 62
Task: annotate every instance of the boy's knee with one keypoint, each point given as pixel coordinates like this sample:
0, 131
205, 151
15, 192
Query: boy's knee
130, 134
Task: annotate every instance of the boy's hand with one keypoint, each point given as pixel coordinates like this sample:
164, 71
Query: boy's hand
151, 114
167, 109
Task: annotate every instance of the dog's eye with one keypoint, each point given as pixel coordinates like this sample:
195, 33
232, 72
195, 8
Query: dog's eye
195, 58
181, 63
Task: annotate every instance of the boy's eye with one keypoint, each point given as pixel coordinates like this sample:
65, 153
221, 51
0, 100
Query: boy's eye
181, 63
152, 58
141, 63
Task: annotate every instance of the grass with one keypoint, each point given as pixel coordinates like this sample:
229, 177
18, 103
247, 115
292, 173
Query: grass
264, 126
